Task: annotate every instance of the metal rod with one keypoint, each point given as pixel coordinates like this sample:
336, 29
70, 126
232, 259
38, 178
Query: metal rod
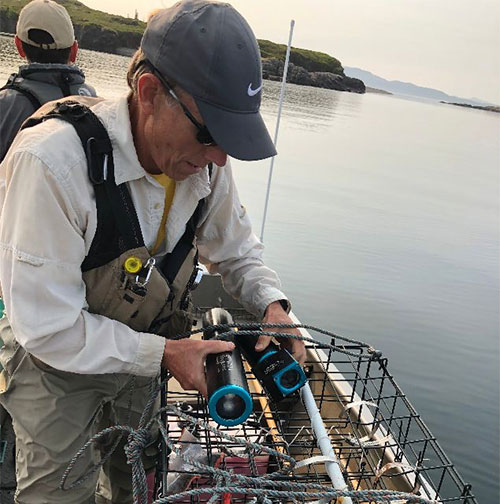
161, 473
324, 443
282, 96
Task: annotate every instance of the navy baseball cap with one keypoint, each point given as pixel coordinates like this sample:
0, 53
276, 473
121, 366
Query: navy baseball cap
210, 51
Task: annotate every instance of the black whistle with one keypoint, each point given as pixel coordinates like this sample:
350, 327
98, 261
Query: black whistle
229, 400
277, 371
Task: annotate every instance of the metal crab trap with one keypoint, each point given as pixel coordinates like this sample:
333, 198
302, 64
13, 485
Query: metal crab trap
379, 440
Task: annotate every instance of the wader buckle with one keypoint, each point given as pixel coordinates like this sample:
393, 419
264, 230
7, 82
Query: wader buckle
97, 173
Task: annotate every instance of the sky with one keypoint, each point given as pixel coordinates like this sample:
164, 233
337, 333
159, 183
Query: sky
450, 45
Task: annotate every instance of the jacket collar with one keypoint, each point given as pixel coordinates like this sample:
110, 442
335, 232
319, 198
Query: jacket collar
116, 117
50, 73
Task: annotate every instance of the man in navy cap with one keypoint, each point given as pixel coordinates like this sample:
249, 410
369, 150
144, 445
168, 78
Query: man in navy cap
97, 259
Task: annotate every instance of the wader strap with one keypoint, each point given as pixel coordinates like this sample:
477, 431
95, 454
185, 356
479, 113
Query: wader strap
118, 227
28, 94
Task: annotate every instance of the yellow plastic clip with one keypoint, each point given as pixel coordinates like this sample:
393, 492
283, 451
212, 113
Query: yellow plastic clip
132, 264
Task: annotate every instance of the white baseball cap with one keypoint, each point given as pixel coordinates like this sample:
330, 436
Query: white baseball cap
48, 16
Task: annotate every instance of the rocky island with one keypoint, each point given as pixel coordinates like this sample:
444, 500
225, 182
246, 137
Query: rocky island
100, 31
307, 68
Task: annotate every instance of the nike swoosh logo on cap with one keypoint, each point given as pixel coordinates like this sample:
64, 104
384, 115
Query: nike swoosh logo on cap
253, 92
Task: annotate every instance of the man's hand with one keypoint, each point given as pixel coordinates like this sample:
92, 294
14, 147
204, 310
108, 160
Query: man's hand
275, 314
185, 359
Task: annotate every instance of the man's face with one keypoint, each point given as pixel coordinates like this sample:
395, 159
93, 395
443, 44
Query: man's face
170, 140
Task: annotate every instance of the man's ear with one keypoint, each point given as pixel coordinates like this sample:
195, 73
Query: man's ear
19, 46
73, 52
148, 88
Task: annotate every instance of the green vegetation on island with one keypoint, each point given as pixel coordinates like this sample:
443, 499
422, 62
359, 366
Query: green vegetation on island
312, 61
81, 15
94, 29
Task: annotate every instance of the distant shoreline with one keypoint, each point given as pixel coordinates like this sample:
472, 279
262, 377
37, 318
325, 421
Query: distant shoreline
377, 91
487, 108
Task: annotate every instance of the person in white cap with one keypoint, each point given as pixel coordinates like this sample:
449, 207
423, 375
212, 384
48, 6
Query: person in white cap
100, 236
45, 38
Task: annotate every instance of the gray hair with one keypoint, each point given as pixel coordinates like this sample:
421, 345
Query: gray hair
136, 68
139, 65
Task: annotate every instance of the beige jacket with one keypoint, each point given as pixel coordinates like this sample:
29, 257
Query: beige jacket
48, 220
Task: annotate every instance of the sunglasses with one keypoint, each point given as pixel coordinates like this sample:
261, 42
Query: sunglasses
203, 135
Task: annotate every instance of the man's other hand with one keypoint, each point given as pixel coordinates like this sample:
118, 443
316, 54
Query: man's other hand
275, 314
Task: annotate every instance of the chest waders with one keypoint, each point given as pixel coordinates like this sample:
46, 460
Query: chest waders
123, 281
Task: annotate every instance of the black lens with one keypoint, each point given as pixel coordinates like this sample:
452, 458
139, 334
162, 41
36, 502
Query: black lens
204, 137
290, 379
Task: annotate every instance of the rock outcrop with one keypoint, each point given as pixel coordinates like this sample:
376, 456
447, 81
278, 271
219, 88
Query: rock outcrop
273, 69
96, 38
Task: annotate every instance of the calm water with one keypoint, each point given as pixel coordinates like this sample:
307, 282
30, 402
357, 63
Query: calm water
384, 226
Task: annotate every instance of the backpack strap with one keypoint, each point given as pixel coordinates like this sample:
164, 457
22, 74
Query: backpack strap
10, 84
118, 228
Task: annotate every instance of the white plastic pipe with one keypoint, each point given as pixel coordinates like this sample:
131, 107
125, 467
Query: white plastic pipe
324, 443
282, 97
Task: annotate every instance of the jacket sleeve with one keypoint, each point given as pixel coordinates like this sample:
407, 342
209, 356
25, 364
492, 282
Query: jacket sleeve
14, 109
227, 245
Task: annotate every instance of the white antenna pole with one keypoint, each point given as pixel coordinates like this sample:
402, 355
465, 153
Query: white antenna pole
282, 96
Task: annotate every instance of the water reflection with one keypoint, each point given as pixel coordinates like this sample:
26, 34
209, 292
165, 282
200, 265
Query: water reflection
310, 108
106, 72
9, 58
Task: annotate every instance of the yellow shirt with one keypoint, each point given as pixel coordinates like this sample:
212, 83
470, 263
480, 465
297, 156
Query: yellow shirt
169, 185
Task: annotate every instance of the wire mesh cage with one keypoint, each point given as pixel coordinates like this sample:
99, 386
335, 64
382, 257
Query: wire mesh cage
379, 439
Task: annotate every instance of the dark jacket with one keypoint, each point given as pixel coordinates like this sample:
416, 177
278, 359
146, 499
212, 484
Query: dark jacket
34, 85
